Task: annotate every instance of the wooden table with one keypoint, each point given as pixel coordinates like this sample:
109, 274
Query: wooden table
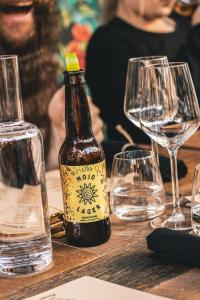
123, 260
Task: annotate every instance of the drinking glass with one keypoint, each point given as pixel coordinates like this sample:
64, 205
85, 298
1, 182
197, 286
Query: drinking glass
170, 115
134, 88
195, 204
136, 186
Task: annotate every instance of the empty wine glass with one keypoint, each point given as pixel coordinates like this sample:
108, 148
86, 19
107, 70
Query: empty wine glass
134, 88
170, 115
136, 190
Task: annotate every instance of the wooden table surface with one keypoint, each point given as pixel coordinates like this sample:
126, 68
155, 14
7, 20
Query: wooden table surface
123, 260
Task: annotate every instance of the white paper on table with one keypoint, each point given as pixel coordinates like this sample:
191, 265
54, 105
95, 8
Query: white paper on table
54, 191
89, 288
25, 211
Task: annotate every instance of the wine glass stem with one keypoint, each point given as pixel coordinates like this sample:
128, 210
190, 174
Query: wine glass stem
175, 185
154, 148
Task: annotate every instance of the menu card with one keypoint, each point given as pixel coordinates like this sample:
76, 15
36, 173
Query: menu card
89, 288
54, 192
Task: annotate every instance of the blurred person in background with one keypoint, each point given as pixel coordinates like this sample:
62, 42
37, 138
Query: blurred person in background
135, 28
30, 29
79, 20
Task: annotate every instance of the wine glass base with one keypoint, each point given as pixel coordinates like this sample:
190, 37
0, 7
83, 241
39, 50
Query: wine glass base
181, 222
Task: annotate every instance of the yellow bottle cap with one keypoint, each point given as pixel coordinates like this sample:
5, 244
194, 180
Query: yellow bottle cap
72, 63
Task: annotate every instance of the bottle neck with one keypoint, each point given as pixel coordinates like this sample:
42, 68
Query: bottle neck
77, 113
10, 93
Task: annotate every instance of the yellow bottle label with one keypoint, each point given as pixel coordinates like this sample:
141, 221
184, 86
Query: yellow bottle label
85, 192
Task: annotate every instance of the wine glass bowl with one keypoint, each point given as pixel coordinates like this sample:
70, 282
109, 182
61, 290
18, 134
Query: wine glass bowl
134, 85
170, 111
134, 89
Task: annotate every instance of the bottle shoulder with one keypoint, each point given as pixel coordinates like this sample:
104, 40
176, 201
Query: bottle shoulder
81, 152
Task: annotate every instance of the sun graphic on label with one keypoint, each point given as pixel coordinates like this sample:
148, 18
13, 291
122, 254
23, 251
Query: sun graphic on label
87, 193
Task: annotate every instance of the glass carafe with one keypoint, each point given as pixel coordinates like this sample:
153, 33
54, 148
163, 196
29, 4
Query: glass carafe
25, 240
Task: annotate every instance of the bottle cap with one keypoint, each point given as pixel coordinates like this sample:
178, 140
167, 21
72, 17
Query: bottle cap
72, 63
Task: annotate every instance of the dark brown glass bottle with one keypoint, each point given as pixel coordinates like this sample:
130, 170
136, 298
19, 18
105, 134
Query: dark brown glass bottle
82, 167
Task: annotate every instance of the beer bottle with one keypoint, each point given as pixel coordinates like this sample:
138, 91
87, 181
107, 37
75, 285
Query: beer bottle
82, 167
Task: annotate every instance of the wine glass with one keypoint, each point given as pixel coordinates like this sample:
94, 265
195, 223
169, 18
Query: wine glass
170, 115
134, 88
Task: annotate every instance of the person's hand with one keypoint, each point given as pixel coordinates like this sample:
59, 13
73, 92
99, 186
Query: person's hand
196, 16
56, 113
